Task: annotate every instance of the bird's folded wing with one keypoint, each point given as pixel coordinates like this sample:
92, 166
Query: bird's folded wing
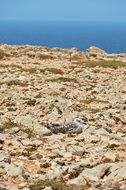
71, 125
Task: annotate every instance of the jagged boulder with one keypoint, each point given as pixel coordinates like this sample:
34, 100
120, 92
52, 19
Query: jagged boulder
95, 53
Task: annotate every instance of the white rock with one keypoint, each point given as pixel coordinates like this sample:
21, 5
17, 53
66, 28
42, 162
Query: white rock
109, 155
42, 131
47, 188
13, 171
74, 149
76, 181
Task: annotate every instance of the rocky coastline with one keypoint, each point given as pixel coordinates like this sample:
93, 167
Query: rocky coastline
41, 86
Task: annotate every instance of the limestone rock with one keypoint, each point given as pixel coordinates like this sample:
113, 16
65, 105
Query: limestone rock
47, 188
110, 156
74, 149
40, 86
13, 170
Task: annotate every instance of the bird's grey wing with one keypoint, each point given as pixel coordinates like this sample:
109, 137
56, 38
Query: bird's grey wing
77, 130
57, 128
71, 125
53, 127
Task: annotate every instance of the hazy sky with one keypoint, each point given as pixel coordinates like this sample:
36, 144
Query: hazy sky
113, 10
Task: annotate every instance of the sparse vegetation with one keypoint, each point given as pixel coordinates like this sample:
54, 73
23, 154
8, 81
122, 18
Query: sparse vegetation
106, 64
15, 83
42, 56
88, 101
63, 79
7, 125
9, 66
56, 185
51, 70
101, 101
43, 70
29, 131
93, 110
82, 107
31, 102
29, 70
28, 151
38, 97
36, 63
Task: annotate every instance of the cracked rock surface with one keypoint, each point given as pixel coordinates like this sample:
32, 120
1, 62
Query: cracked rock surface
41, 86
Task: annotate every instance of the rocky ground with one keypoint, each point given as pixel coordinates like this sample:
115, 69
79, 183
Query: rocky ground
41, 86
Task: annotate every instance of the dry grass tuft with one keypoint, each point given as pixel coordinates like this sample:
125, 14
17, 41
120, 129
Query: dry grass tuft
15, 83
106, 64
52, 70
63, 79
29, 70
87, 101
56, 185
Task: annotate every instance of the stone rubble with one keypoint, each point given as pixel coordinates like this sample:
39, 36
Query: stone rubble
41, 86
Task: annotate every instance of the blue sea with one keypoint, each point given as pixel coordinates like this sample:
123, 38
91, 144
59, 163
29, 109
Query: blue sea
110, 36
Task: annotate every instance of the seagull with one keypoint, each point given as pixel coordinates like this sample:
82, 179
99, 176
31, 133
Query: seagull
75, 126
